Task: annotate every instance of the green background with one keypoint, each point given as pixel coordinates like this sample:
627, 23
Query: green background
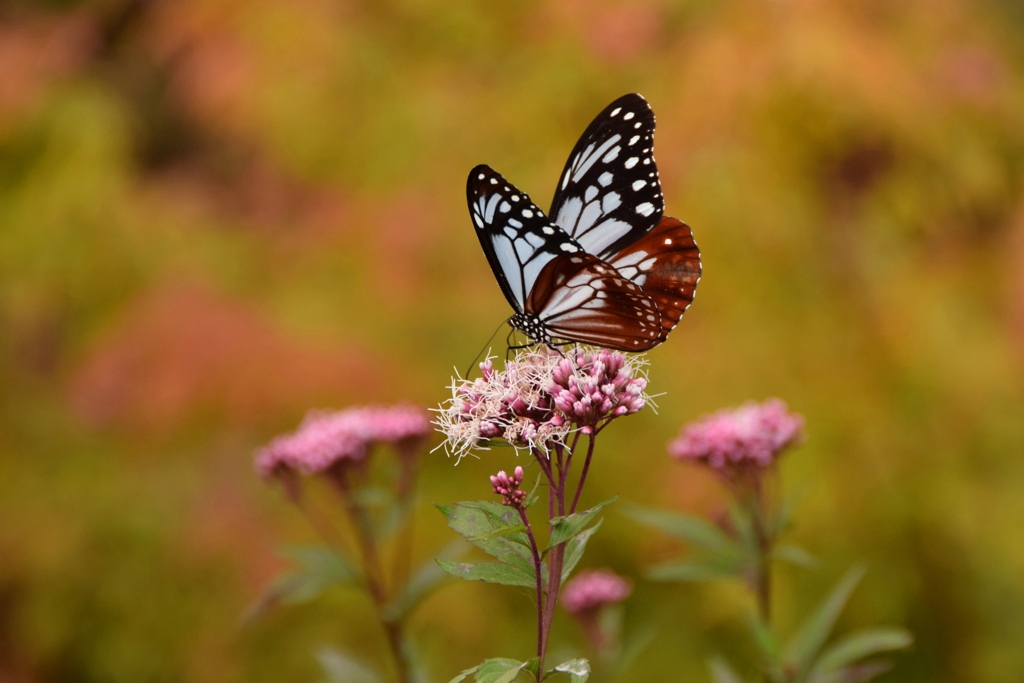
216, 214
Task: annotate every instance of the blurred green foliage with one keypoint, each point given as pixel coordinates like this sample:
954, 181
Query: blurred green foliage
215, 214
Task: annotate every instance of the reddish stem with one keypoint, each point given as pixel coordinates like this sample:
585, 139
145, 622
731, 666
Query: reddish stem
537, 566
583, 475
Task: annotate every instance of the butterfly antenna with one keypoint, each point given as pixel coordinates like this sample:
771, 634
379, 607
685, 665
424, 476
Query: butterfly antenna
484, 349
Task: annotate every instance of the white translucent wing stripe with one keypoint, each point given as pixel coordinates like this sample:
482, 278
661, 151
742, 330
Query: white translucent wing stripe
588, 160
510, 266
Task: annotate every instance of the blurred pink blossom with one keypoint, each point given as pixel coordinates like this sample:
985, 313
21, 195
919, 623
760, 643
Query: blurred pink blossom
508, 487
541, 396
325, 438
592, 589
753, 434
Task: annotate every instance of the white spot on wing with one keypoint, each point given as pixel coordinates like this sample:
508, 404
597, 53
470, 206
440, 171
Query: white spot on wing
631, 162
610, 202
524, 250
645, 209
638, 184
477, 220
590, 193
606, 179
614, 112
504, 207
610, 156
627, 116
591, 212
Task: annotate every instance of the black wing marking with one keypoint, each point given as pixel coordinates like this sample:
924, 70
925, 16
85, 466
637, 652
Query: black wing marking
609, 193
516, 236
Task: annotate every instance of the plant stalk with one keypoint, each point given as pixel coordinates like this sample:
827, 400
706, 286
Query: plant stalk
372, 570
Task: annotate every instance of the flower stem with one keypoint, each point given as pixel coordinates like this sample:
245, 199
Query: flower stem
372, 570
759, 517
583, 474
537, 567
406, 502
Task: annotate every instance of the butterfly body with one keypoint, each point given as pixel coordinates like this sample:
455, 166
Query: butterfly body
609, 269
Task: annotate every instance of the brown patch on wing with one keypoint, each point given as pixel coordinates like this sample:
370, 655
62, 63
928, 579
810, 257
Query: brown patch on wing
581, 298
670, 280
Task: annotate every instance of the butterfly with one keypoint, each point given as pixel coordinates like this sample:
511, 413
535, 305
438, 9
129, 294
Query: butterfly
605, 266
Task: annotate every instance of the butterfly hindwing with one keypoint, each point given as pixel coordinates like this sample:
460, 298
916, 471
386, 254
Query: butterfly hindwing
665, 263
609, 193
516, 236
583, 299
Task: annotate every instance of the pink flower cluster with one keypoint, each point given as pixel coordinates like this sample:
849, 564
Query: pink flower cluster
327, 438
541, 396
588, 387
752, 435
592, 589
508, 487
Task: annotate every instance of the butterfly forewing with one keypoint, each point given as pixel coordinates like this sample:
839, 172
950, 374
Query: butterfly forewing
516, 236
583, 299
609, 193
665, 263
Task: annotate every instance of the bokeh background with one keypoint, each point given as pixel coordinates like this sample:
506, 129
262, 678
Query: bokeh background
216, 214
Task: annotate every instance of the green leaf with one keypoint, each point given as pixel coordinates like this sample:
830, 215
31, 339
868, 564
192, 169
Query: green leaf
567, 527
763, 638
701, 569
693, 530
813, 633
499, 670
317, 569
495, 529
490, 572
860, 645
721, 672
578, 670
465, 674
424, 582
574, 550
795, 555
342, 668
